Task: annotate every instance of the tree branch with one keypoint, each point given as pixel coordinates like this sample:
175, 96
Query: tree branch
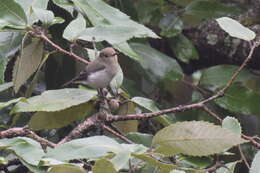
24, 131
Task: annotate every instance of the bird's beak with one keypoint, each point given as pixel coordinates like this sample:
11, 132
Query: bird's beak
115, 54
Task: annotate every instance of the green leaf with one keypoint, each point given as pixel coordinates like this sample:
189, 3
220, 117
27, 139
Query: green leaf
67, 168
140, 138
227, 168
153, 161
33, 168
26, 148
90, 148
148, 12
240, 99
57, 20
156, 64
65, 4
195, 138
127, 50
3, 64
111, 33
10, 42
204, 9
9, 45
235, 29
127, 126
215, 77
75, 27
23, 70
171, 25
45, 16
232, 124
4, 104
58, 119
12, 15
94, 148
151, 106
255, 167
99, 13
182, 3
183, 48
103, 166
118, 79
55, 100
28, 6
197, 162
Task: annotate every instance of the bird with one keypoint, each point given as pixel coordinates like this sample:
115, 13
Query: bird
99, 73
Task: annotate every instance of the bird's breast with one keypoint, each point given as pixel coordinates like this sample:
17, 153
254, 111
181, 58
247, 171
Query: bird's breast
99, 79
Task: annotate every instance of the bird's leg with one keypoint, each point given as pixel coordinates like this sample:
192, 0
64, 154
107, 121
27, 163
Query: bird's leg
104, 107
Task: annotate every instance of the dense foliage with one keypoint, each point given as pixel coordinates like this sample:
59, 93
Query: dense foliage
162, 112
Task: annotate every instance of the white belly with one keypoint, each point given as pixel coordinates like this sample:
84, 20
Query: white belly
100, 79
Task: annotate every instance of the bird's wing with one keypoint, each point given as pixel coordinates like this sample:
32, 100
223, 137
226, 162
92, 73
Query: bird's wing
91, 68
94, 67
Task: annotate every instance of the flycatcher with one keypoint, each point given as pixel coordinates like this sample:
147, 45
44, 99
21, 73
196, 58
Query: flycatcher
99, 73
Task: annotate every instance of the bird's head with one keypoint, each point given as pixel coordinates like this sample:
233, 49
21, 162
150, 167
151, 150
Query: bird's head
108, 54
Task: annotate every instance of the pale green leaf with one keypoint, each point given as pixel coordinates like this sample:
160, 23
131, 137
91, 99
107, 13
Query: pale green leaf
57, 20
235, 29
10, 42
195, 138
65, 4
109, 23
91, 148
4, 104
45, 16
127, 50
9, 45
155, 162
214, 77
140, 138
240, 99
12, 15
157, 65
110, 33
26, 148
74, 28
255, 167
171, 25
204, 9
151, 106
3, 64
28, 5
127, 126
23, 70
232, 124
183, 48
33, 168
67, 168
103, 166
55, 100
118, 79
6, 86
58, 119
227, 168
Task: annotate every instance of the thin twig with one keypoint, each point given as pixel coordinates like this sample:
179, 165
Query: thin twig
117, 134
243, 156
45, 38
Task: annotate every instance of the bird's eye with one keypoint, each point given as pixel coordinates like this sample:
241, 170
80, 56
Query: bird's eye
102, 55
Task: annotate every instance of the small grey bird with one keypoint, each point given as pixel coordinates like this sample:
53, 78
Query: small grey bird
99, 73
